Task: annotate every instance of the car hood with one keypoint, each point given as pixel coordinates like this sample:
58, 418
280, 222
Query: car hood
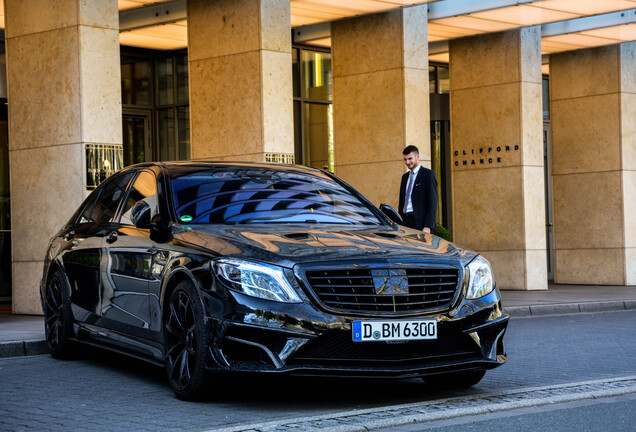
291, 244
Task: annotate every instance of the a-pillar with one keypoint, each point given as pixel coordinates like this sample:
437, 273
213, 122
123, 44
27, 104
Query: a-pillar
497, 154
240, 70
381, 98
64, 92
593, 125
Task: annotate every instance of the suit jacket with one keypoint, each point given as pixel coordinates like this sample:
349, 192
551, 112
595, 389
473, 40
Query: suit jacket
423, 197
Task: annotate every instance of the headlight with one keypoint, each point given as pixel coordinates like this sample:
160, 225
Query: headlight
481, 279
256, 280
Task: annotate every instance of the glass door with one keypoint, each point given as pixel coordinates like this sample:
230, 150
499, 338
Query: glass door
136, 136
440, 163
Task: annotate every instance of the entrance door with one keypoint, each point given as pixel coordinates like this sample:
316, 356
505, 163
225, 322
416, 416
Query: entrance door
547, 164
137, 147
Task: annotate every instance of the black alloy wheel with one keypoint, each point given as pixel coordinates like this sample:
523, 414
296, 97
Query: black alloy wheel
185, 343
455, 380
58, 318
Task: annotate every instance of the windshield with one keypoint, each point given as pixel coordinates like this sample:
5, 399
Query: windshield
229, 195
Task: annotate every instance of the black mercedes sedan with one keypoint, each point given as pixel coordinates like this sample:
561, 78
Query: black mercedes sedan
250, 267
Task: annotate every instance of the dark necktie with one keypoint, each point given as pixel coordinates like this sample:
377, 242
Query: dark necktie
409, 188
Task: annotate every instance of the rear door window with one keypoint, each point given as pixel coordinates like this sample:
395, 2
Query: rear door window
144, 188
109, 199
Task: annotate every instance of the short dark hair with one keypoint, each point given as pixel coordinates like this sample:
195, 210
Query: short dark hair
410, 149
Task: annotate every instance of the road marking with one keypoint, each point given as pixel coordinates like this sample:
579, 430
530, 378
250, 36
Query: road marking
398, 415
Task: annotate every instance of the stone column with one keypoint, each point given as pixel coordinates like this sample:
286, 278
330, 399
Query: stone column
64, 91
381, 98
497, 154
593, 125
240, 68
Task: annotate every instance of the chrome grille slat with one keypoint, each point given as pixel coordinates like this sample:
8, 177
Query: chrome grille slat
354, 290
374, 295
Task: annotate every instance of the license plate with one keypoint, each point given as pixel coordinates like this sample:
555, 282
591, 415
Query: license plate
394, 330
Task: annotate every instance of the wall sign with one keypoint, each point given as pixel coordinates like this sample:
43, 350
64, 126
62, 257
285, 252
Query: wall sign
482, 156
102, 161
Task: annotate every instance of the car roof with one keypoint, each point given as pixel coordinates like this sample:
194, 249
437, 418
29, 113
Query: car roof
169, 165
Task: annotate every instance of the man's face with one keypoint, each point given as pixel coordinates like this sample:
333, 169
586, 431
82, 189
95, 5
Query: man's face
411, 160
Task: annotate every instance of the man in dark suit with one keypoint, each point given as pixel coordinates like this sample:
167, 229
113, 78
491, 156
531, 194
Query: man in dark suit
418, 193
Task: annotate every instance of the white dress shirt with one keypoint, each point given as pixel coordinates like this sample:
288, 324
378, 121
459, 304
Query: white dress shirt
411, 180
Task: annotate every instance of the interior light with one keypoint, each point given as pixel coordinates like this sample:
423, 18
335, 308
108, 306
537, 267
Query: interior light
524, 15
625, 32
585, 7
472, 23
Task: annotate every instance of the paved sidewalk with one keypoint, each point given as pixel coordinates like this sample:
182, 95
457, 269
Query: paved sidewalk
24, 334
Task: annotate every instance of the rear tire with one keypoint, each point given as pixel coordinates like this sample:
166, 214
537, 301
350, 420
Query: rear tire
58, 317
455, 380
186, 343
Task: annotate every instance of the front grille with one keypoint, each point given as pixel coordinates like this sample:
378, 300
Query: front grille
410, 289
337, 346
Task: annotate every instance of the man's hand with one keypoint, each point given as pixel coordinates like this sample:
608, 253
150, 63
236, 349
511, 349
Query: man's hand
426, 230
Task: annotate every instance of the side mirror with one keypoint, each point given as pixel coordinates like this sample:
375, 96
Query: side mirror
140, 214
391, 213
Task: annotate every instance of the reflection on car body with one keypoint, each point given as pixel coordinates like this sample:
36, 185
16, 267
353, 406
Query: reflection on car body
248, 267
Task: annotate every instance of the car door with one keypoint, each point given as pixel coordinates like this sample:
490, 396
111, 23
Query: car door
127, 268
82, 256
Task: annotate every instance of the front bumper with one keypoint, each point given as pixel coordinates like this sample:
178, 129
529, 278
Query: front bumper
303, 340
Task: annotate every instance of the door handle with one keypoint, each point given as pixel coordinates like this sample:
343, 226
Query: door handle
69, 236
112, 237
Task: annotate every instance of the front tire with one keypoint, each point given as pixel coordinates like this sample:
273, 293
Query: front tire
58, 317
455, 380
186, 343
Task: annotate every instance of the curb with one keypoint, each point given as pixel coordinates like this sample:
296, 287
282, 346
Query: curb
569, 308
441, 409
23, 348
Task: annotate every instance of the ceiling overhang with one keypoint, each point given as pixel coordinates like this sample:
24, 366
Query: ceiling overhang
565, 24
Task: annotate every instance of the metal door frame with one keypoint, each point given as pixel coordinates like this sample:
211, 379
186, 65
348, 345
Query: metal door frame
549, 217
146, 114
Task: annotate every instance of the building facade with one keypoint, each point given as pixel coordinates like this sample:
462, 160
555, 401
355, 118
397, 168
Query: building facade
527, 121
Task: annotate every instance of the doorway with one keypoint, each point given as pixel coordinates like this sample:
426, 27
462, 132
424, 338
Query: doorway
136, 136
547, 169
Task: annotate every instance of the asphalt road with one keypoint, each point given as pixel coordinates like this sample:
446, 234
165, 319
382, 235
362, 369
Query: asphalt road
104, 392
616, 414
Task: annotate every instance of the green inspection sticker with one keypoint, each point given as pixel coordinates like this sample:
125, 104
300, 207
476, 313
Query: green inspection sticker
186, 218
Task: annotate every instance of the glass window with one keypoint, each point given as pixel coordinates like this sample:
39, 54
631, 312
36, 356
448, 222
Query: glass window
298, 137
318, 131
109, 198
144, 188
296, 72
165, 81
432, 79
135, 139
167, 146
253, 195
444, 79
87, 209
135, 83
182, 78
546, 97
317, 75
183, 129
